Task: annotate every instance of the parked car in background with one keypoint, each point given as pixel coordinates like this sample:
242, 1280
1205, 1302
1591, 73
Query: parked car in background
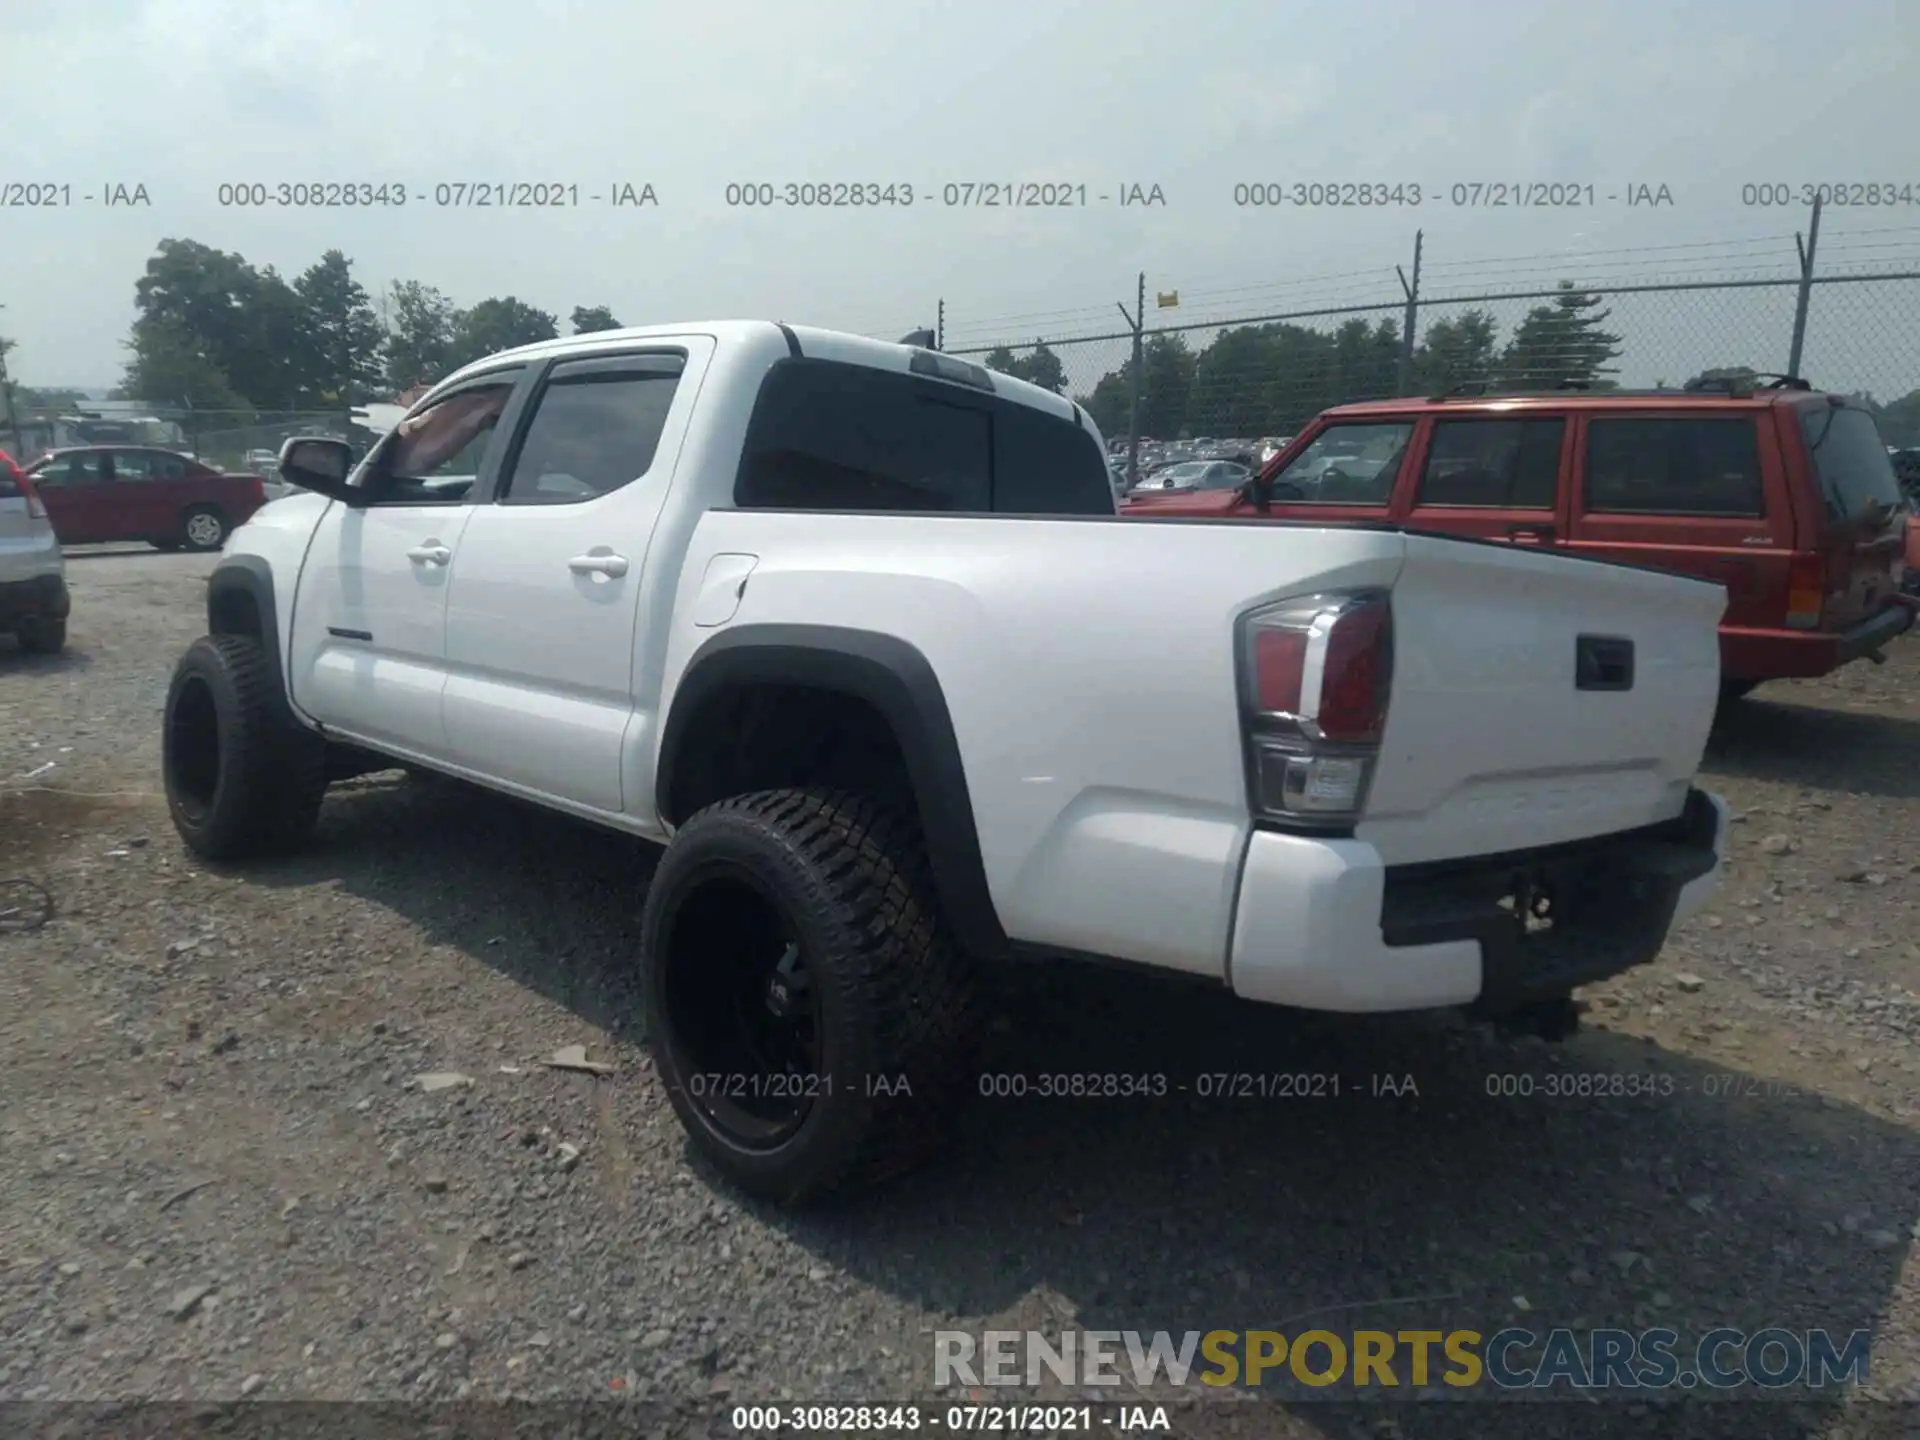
1192, 475
135, 493
1782, 494
33, 575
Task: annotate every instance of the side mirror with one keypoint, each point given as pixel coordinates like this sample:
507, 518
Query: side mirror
318, 463
1260, 493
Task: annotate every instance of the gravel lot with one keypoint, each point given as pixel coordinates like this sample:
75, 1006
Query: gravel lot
221, 1179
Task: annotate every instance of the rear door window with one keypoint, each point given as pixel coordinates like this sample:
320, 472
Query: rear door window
826, 435
1674, 465
1856, 473
595, 428
1494, 464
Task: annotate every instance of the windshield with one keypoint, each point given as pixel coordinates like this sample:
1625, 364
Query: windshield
1856, 473
1182, 474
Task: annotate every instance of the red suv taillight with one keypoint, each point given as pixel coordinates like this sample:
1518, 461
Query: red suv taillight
1316, 674
1806, 591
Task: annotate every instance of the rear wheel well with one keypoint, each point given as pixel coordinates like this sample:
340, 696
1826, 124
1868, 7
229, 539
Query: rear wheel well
774, 736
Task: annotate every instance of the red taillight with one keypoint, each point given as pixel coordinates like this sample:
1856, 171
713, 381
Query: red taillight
1318, 673
1806, 591
259, 491
1354, 676
1279, 660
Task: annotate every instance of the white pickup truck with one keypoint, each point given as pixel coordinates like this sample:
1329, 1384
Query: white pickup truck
853, 630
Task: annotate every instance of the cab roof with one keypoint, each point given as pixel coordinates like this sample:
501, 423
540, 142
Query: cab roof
812, 341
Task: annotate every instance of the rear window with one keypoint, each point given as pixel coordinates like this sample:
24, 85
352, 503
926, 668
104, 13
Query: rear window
1506, 464
1851, 459
832, 436
1683, 465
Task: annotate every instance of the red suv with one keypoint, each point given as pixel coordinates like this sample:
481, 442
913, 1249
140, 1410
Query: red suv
1782, 494
132, 492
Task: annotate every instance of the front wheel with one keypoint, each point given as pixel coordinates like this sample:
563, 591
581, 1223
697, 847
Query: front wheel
809, 1013
243, 778
203, 528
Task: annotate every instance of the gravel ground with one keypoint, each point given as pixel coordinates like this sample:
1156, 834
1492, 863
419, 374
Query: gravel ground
222, 1178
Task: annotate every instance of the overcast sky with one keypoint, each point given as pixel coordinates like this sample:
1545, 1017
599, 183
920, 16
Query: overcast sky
1195, 97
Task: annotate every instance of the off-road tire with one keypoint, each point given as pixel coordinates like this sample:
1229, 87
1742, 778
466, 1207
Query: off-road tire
898, 999
41, 636
206, 544
269, 772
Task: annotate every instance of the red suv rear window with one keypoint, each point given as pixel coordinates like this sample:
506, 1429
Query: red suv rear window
1856, 473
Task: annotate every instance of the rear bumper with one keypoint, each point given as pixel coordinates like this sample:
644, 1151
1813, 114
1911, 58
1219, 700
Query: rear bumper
39, 595
1807, 654
1324, 925
1870, 635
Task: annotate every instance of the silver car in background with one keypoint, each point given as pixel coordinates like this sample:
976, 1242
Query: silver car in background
34, 603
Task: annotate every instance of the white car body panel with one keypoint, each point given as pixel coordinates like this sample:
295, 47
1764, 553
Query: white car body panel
29, 549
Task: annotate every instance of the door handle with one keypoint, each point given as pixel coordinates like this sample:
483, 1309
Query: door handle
614, 565
431, 553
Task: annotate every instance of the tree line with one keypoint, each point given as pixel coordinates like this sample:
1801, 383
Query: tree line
213, 331
1272, 379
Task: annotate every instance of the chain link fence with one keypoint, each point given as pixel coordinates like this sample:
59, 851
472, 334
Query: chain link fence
1265, 374
248, 439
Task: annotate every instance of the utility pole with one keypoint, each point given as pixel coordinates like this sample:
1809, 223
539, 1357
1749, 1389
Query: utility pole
940, 328
1137, 322
1805, 298
1412, 287
6, 393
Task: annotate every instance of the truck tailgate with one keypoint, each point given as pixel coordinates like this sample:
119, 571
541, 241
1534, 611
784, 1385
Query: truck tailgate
1495, 738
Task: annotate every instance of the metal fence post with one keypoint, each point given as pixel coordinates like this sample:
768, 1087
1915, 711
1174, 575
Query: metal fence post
13, 420
1805, 298
1137, 322
1412, 287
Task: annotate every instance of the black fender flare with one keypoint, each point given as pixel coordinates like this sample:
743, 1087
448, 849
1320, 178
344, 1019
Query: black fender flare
899, 682
252, 576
